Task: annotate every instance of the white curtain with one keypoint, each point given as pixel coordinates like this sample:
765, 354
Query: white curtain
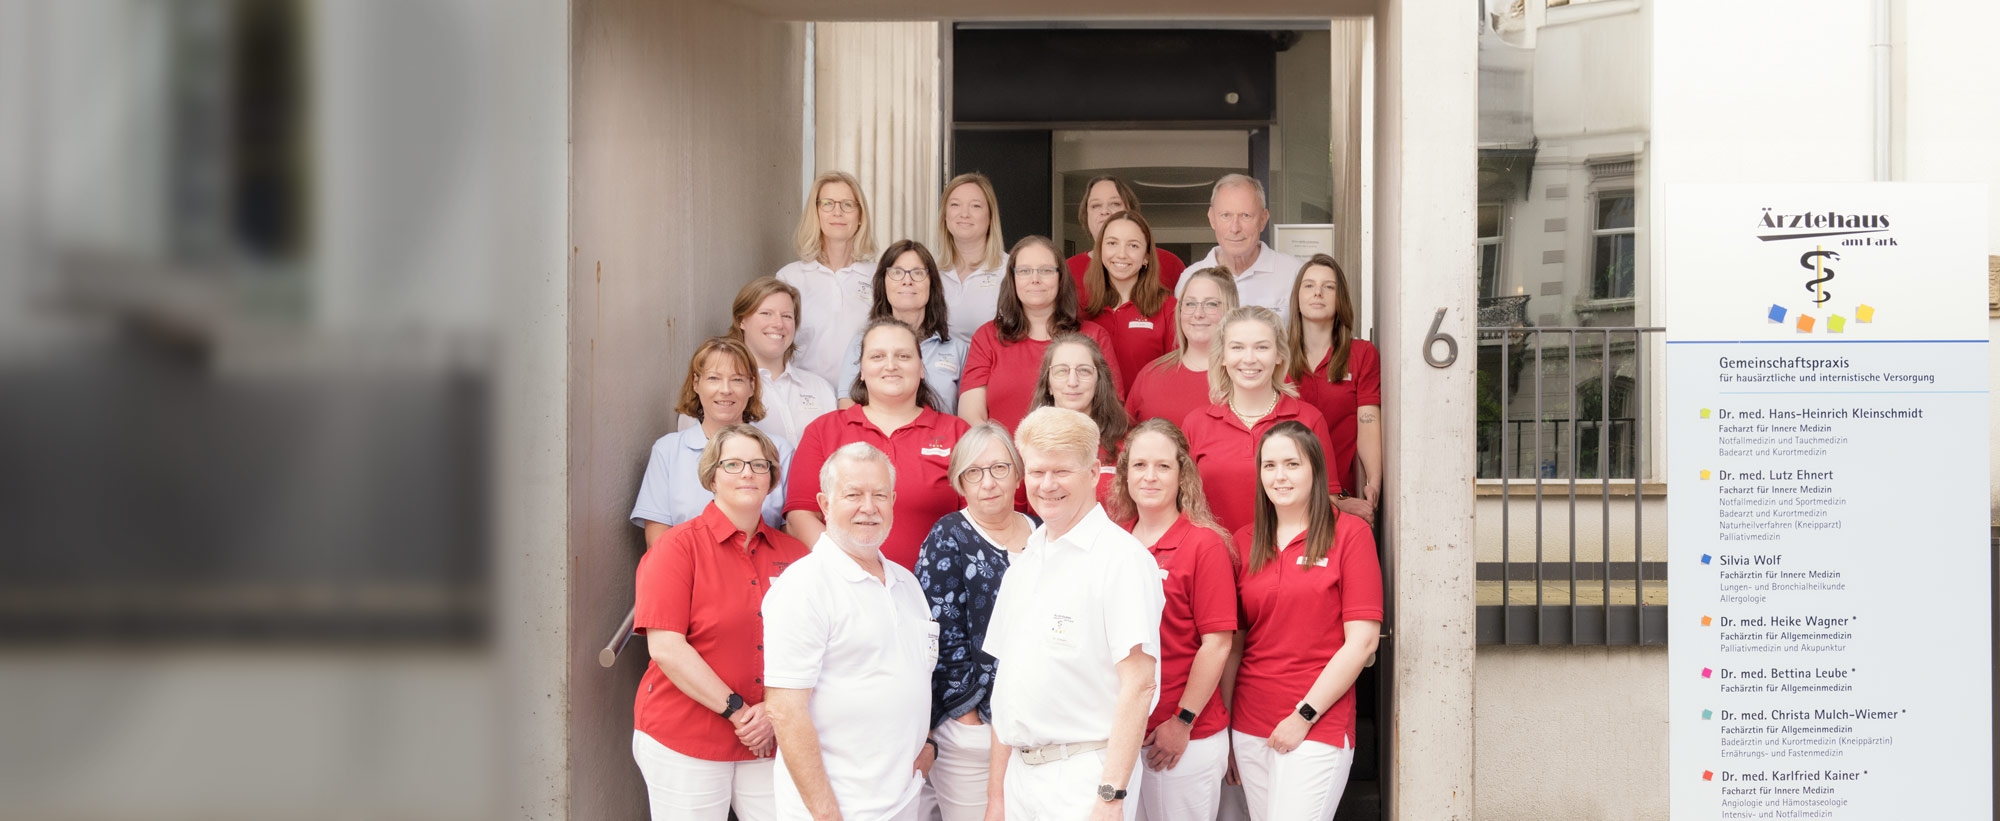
877, 117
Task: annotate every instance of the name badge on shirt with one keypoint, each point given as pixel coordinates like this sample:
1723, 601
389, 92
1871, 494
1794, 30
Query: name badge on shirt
1062, 632
946, 365
936, 450
1143, 324
1320, 563
1108, 470
931, 638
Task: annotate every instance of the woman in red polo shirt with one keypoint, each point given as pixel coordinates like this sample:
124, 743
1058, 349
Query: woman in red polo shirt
1075, 376
1247, 370
1341, 376
892, 411
1122, 293
1292, 705
700, 735
1176, 384
1036, 302
1186, 751
1103, 196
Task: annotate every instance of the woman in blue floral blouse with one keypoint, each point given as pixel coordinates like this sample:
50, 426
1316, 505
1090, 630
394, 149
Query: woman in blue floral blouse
959, 568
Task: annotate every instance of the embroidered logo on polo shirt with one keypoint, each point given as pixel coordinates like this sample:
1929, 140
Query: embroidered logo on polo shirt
809, 401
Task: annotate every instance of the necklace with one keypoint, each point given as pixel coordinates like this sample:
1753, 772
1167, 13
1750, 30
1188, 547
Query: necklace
1248, 419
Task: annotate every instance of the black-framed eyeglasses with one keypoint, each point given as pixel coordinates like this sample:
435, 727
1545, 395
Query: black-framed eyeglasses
757, 466
842, 206
906, 274
998, 470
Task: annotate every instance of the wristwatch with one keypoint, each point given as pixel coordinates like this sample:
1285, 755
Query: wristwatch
735, 703
1186, 716
1307, 712
1106, 792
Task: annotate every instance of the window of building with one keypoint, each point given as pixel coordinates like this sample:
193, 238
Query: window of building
1614, 257
1489, 249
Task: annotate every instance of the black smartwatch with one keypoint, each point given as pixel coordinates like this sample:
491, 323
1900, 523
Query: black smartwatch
735, 703
1186, 716
1307, 712
1106, 792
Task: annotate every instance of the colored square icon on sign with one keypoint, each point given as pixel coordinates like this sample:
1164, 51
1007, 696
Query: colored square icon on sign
1777, 313
1707, 715
1707, 673
1705, 558
1864, 313
1708, 775
1704, 413
1706, 621
1805, 323
1704, 475
1836, 323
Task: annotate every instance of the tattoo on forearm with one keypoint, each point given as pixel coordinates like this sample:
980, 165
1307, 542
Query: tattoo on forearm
1367, 416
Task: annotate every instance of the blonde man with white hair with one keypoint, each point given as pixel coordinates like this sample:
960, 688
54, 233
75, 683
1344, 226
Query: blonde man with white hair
1237, 212
1076, 630
848, 649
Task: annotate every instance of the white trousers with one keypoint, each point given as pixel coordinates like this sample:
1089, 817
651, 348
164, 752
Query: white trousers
1302, 785
683, 787
1063, 790
1192, 789
959, 776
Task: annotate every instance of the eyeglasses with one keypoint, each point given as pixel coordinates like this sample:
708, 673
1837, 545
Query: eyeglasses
1037, 273
1200, 306
1060, 373
998, 470
843, 206
757, 466
907, 274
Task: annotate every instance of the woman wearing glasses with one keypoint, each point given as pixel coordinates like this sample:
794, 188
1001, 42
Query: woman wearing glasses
1075, 376
893, 410
836, 248
1123, 294
1311, 592
1176, 384
1103, 196
906, 289
972, 256
960, 568
1037, 301
1246, 374
720, 390
700, 735
1341, 376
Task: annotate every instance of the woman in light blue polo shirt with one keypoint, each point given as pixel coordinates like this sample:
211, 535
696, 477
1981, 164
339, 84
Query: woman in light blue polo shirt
907, 289
721, 389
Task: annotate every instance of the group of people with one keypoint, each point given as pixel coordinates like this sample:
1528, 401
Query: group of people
1088, 537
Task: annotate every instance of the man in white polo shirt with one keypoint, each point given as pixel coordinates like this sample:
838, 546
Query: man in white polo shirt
1076, 627
849, 645
1237, 212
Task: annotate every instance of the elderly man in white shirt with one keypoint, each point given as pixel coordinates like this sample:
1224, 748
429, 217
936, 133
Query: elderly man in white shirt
849, 646
1237, 212
1076, 629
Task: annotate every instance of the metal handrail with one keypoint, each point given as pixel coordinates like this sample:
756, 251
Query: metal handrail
609, 655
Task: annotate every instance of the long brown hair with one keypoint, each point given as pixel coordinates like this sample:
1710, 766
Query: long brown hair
1189, 498
1343, 323
926, 398
1148, 293
737, 353
1011, 320
1125, 195
1105, 409
936, 314
752, 297
1320, 513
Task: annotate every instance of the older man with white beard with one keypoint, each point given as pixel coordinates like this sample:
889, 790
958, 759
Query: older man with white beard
1076, 629
849, 645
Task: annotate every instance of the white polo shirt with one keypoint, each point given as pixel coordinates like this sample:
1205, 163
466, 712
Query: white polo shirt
1068, 611
973, 300
833, 307
1267, 283
793, 400
866, 649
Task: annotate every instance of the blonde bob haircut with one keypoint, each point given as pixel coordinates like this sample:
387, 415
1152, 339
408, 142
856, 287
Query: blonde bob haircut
733, 351
996, 242
1220, 387
1058, 430
973, 443
711, 456
807, 241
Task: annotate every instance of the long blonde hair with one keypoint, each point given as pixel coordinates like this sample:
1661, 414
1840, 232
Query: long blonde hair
1224, 282
807, 240
1220, 388
996, 242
